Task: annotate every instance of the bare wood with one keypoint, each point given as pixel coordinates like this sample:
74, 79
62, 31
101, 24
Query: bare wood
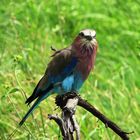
67, 122
72, 103
104, 119
67, 115
77, 129
68, 103
60, 123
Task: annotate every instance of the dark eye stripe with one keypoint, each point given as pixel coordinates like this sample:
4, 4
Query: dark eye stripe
81, 34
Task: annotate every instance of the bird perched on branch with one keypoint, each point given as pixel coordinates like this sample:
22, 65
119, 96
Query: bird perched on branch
67, 70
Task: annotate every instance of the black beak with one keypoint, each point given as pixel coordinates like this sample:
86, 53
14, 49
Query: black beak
88, 38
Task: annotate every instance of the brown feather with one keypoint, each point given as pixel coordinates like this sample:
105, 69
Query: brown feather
60, 60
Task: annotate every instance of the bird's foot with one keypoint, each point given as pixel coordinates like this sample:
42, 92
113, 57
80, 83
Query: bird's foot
75, 92
69, 95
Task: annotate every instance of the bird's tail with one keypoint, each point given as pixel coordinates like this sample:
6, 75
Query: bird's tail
32, 108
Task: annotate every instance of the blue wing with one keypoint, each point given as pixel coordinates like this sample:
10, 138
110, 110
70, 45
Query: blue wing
61, 66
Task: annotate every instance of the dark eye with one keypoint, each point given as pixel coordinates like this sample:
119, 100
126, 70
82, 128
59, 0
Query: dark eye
81, 34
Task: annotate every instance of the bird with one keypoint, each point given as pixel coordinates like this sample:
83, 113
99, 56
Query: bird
67, 71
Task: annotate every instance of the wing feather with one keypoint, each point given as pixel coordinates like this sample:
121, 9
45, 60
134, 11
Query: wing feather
61, 65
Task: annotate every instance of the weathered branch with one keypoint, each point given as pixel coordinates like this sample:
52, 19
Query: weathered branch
68, 112
60, 123
76, 127
68, 125
67, 122
103, 118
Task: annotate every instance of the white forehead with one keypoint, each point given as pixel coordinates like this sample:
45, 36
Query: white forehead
89, 32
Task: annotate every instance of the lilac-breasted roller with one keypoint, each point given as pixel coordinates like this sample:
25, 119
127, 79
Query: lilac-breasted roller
67, 70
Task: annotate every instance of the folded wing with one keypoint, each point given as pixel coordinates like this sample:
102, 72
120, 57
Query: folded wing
62, 65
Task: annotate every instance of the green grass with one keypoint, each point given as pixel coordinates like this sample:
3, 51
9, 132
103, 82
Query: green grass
27, 30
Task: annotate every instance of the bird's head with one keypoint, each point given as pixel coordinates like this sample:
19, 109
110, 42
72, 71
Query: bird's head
85, 41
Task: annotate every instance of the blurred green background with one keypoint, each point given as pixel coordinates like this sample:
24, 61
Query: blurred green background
27, 30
